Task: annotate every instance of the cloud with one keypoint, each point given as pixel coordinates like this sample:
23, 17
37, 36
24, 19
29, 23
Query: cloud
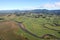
48, 6
55, 5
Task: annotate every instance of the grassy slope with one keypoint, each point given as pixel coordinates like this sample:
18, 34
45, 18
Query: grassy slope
35, 26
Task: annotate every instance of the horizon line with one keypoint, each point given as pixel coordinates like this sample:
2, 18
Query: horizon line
30, 9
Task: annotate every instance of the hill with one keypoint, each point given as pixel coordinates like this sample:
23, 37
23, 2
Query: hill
31, 11
8, 31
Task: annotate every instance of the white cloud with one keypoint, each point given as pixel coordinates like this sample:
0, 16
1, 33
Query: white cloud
48, 5
56, 5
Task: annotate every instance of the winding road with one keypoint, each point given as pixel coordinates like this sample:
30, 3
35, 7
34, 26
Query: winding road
24, 29
27, 31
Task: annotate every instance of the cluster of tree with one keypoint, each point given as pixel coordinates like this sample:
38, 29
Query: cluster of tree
1, 18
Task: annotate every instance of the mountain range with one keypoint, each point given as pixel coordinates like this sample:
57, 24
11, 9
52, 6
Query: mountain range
32, 11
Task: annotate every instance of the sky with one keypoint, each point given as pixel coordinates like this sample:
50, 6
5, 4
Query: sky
29, 4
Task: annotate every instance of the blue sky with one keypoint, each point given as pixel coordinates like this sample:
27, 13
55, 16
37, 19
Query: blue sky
29, 4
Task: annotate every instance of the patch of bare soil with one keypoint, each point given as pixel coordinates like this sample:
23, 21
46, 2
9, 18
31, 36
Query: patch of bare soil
8, 31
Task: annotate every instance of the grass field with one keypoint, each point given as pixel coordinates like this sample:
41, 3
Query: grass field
34, 25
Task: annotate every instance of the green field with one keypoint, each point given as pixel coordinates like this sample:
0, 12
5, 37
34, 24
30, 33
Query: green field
37, 26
